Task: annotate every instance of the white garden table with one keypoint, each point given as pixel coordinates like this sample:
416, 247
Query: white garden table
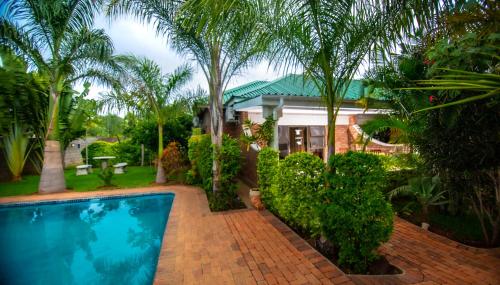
104, 160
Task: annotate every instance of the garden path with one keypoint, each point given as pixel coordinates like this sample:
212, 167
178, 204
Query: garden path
250, 247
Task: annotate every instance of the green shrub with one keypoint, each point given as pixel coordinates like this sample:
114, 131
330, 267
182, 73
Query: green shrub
267, 167
124, 151
355, 216
196, 131
297, 195
230, 157
106, 175
98, 148
172, 160
127, 151
200, 155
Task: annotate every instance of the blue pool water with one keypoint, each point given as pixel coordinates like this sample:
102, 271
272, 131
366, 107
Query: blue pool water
99, 241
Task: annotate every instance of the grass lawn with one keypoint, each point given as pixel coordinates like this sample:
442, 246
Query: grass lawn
136, 176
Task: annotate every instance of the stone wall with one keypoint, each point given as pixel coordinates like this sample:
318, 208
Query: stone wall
72, 154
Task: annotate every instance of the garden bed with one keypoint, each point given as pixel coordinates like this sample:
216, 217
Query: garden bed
381, 266
464, 229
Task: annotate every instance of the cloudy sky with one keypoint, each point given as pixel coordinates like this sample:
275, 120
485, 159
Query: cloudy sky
131, 37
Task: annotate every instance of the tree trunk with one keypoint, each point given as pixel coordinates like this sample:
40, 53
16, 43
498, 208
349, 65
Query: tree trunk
331, 131
52, 176
425, 214
160, 172
216, 118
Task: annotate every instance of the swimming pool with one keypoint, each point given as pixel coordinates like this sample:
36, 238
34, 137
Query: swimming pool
113, 240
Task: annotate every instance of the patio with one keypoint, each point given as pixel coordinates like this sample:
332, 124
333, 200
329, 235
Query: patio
250, 247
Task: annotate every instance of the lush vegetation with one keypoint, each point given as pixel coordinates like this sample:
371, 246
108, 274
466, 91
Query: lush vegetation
433, 63
267, 167
348, 208
296, 190
443, 90
355, 215
57, 39
201, 155
148, 92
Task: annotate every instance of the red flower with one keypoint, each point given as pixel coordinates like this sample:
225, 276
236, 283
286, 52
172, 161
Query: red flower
432, 98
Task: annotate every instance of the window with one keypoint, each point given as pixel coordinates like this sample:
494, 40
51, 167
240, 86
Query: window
317, 137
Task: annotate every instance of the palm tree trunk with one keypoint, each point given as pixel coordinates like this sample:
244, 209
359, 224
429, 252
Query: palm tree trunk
216, 117
331, 131
160, 172
52, 176
425, 214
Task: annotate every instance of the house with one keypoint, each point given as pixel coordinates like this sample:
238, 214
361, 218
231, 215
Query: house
296, 104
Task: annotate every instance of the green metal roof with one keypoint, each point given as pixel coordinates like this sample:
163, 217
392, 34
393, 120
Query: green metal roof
289, 85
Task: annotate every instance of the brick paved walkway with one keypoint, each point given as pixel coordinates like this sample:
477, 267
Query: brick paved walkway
249, 247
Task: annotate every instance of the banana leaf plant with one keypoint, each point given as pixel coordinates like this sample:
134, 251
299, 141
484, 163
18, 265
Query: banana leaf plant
16, 148
426, 190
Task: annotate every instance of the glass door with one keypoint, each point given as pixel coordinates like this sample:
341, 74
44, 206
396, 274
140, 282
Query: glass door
298, 139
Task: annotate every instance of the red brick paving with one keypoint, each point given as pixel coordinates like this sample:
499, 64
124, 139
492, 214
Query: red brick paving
250, 247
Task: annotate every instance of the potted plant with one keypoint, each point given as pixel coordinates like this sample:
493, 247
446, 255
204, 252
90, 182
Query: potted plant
255, 198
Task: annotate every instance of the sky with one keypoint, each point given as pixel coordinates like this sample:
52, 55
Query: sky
132, 37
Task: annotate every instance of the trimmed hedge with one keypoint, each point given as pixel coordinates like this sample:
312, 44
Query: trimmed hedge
124, 151
200, 157
127, 151
355, 216
297, 191
201, 153
267, 167
98, 148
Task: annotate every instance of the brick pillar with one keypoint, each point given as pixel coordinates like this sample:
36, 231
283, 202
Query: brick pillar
353, 120
341, 139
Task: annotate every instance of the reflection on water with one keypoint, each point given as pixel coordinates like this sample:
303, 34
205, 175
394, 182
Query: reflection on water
113, 241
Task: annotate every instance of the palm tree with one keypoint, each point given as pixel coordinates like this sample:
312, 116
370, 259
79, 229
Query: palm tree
147, 91
427, 192
222, 36
57, 39
330, 39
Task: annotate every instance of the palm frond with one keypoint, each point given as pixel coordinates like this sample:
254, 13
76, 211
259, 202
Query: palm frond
402, 190
485, 85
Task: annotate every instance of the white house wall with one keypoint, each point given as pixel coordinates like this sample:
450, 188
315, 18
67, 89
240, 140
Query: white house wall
301, 119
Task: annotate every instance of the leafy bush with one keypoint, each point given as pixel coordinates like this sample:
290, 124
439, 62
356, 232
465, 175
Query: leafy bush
355, 216
230, 158
297, 195
127, 151
267, 167
106, 176
397, 178
146, 132
172, 159
98, 148
200, 155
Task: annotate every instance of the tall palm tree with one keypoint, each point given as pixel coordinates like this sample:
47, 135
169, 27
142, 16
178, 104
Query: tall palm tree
149, 92
57, 39
221, 36
331, 39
